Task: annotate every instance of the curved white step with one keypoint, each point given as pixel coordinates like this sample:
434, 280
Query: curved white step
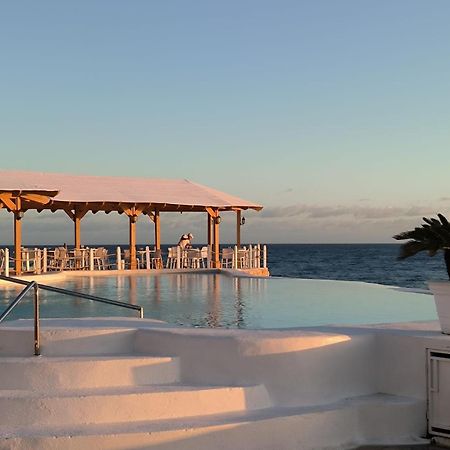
22, 408
341, 425
58, 373
16, 341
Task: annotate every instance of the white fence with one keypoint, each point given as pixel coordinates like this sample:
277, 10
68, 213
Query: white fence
42, 260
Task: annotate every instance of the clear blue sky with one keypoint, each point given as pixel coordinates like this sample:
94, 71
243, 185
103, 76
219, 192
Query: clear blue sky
333, 114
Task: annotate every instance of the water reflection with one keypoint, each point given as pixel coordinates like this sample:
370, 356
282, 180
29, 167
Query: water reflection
239, 304
208, 300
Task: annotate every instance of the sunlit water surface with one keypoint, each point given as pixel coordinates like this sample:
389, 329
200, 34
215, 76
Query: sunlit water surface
207, 300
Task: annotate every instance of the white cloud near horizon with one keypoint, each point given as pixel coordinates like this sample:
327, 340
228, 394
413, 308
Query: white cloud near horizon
356, 211
298, 223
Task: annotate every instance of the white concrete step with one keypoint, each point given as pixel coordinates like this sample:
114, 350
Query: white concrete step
376, 419
46, 374
115, 405
15, 341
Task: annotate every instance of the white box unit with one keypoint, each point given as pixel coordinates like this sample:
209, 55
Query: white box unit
438, 371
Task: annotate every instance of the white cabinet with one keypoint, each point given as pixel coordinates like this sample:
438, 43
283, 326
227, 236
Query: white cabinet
439, 393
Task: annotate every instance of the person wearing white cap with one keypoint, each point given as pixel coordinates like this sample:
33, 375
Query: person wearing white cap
185, 241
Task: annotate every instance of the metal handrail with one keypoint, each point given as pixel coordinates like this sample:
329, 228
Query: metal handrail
36, 286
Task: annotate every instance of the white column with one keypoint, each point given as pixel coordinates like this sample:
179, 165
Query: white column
258, 256
118, 258
91, 259
7, 262
265, 256
235, 257
208, 259
147, 257
37, 261
44, 260
178, 257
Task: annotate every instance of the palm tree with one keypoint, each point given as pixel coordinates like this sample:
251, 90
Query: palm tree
432, 236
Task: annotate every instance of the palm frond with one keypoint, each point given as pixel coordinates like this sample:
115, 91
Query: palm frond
432, 236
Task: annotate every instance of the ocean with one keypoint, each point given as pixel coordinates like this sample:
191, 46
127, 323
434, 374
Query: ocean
371, 263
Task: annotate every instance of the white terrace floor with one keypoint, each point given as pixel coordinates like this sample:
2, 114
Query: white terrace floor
135, 384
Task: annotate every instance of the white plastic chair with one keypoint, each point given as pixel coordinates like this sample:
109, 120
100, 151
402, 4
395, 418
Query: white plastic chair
227, 257
171, 262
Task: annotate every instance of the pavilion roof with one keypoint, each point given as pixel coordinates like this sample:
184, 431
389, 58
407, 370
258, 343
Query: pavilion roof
107, 192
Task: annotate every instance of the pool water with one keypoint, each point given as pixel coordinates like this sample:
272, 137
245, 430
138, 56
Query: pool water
213, 300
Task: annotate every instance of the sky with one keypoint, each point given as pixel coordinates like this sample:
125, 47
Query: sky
334, 115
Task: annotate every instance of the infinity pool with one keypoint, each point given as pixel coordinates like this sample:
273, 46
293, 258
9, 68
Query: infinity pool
212, 300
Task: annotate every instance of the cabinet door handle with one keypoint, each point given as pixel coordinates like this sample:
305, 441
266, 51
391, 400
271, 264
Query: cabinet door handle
434, 375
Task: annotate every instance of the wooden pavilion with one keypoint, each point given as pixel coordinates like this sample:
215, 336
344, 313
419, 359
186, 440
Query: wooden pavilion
76, 195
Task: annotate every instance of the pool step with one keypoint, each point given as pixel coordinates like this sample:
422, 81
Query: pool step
115, 405
381, 419
46, 374
68, 341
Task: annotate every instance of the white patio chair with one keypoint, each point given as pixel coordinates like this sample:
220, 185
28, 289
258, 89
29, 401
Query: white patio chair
242, 258
204, 257
171, 262
193, 257
156, 261
227, 257
101, 258
127, 259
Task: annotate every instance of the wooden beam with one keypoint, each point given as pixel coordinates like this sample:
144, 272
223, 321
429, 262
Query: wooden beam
35, 198
133, 211
8, 201
212, 212
69, 213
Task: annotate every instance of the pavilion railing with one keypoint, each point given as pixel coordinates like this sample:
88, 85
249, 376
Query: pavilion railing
42, 260
32, 285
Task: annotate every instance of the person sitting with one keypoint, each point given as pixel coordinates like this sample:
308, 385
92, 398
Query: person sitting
185, 241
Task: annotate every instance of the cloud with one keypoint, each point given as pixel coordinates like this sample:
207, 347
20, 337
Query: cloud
355, 211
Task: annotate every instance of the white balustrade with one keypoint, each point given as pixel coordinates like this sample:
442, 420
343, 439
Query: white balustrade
7, 262
44, 260
147, 257
119, 258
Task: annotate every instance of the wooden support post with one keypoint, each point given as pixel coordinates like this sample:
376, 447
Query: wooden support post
238, 228
77, 240
18, 214
210, 230
214, 214
133, 265
216, 248
157, 231
76, 216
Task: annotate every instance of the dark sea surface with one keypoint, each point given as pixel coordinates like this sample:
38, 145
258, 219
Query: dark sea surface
372, 263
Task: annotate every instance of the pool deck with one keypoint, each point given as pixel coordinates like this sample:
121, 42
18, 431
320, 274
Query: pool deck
340, 387
57, 276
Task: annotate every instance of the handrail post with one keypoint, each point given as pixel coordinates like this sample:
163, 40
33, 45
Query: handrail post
141, 313
37, 340
7, 262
